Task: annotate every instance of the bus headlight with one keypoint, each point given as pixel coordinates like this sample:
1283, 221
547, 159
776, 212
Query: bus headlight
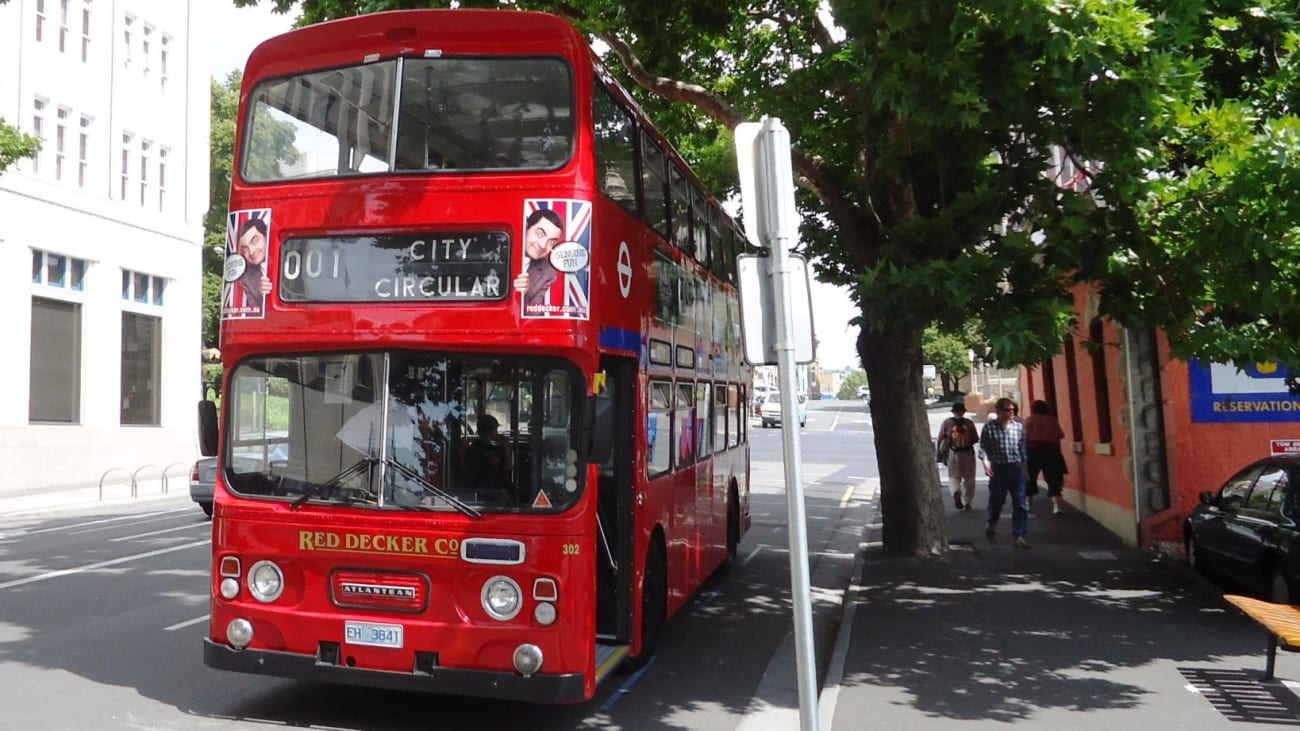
544, 613
501, 598
265, 581
229, 588
528, 659
239, 633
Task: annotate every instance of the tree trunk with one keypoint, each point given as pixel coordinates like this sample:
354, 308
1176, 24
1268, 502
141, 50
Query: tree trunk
911, 501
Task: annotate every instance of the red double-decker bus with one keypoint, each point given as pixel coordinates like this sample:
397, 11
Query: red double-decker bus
484, 417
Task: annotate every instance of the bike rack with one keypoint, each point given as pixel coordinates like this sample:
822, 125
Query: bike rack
162, 475
167, 469
109, 472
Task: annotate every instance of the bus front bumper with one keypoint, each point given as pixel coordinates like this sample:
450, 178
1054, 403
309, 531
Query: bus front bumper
452, 681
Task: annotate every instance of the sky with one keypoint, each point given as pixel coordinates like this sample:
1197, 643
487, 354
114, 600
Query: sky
235, 32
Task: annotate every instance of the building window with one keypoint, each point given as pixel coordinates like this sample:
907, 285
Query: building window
141, 367
63, 25
145, 147
145, 43
1100, 380
60, 140
40, 19
164, 44
57, 270
126, 164
142, 288
38, 129
162, 177
83, 151
85, 34
55, 368
1072, 377
127, 24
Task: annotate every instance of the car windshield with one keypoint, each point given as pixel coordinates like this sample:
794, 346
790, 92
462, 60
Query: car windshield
406, 430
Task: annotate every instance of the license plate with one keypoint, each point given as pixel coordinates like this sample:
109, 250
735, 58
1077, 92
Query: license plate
373, 634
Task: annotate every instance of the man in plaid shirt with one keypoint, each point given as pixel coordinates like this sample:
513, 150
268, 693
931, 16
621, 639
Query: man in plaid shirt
1003, 451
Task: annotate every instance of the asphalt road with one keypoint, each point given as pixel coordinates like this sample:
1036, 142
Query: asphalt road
102, 612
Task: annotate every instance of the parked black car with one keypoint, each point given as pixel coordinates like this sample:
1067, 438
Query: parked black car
1248, 530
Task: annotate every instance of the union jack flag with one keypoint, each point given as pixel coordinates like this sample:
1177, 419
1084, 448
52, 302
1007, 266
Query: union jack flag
569, 296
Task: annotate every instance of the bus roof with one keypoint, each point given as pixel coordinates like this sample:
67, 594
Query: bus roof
364, 38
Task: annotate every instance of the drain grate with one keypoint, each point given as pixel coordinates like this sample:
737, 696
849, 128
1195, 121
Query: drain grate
1241, 696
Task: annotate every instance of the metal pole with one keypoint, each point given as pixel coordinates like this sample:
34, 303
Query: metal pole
799, 580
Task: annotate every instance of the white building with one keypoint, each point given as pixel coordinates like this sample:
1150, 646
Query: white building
100, 240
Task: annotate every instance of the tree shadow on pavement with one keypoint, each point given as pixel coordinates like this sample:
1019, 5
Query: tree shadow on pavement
968, 638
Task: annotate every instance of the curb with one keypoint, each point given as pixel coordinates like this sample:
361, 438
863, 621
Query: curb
774, 705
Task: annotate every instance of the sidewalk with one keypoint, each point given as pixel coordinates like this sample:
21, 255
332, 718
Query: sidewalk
78, 498
1079, 631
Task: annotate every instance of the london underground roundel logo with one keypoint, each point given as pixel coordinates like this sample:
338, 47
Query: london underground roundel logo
624, 269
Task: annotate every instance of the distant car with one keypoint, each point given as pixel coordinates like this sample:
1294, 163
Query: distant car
1249, 530
203, 483
864, 393
770, 412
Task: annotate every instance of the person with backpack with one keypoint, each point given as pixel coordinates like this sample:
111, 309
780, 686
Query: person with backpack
957, 438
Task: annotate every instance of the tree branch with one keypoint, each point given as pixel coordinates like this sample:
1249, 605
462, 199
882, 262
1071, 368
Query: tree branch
811, 172
679, 91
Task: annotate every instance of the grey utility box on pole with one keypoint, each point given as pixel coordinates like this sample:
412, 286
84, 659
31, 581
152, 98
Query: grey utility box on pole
771, 220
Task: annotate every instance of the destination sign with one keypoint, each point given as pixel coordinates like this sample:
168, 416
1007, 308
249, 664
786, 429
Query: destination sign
434, 267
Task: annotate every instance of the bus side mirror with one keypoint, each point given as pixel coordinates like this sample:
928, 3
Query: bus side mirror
599, 437
207, 428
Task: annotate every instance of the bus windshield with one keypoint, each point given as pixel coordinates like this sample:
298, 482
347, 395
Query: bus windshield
459, 114
406, 430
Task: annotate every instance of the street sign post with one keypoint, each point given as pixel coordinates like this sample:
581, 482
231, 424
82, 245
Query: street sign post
771, 220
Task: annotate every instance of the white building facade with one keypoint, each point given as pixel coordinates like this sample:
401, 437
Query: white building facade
100, 243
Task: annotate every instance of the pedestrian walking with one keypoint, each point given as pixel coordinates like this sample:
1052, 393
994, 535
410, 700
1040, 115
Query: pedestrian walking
1043, 435
957, 438
1004, 454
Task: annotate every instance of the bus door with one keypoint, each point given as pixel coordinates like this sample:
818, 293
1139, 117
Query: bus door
614, 529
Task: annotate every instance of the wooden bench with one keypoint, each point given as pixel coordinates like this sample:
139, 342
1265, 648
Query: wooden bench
1281, 620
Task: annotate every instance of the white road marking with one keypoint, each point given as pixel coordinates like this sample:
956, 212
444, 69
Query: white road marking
751, 555
164, 530
186, 623
65, 528
100, 565
156, 518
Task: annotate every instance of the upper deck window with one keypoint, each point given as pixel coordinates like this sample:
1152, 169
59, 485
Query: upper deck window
460, 114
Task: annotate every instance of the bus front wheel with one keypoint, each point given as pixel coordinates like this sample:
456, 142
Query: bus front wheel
654, 604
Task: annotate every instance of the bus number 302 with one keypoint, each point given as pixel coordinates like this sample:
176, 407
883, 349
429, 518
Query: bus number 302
314, 265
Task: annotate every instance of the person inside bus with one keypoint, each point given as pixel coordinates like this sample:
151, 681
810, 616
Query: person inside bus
488, 459
251, 244
542, 231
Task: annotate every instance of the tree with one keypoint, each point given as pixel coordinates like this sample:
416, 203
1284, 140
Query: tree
923, 131
221, 151
15, 145
949, 353
849, 387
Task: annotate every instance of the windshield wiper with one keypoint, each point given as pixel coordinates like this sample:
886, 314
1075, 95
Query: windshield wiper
437, 492
362, 465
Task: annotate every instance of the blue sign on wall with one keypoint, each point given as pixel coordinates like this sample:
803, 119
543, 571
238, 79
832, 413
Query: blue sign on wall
1224, 393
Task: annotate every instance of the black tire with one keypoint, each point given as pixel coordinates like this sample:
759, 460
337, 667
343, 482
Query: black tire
733, 534
1279, 588
654, 605
1192, 548
207, 509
